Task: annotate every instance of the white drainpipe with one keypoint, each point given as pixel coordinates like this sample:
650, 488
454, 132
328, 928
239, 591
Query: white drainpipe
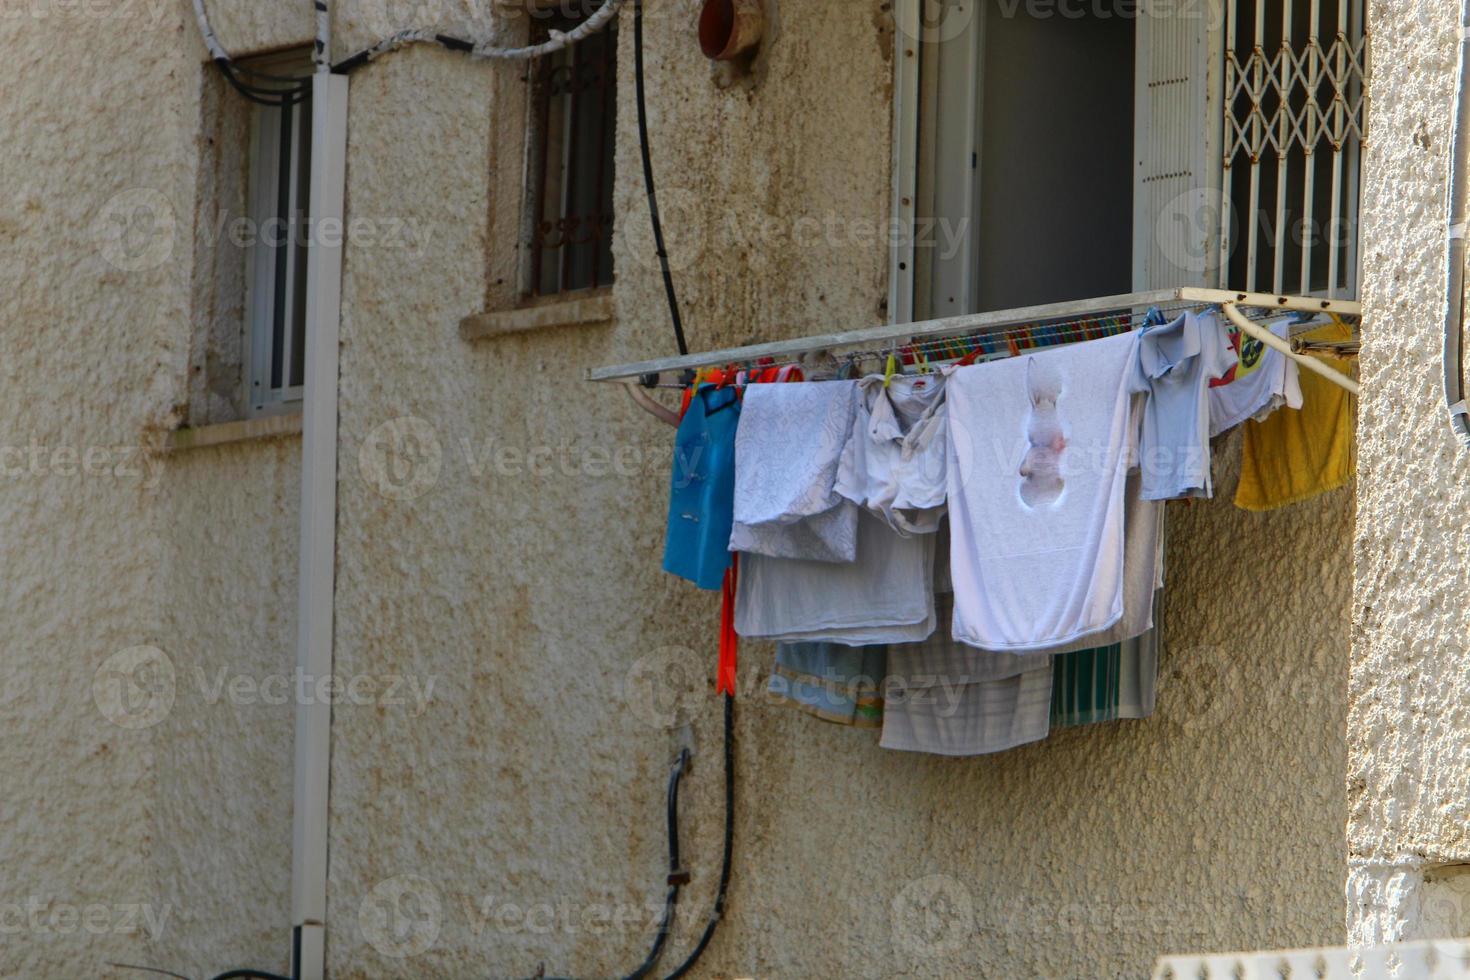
314, 635
1458, 195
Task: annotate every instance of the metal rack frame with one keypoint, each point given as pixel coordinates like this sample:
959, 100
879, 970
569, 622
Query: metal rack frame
982, 323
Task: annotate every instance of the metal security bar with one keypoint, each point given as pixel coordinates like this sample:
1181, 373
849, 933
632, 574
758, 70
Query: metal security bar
1296, 112
575, 104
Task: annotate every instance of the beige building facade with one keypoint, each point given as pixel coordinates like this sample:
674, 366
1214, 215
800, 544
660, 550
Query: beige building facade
512, 671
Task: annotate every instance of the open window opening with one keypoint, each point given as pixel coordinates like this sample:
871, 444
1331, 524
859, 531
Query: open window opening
1085, 150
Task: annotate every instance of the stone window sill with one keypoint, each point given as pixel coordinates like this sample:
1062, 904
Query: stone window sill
285, 425
590, 308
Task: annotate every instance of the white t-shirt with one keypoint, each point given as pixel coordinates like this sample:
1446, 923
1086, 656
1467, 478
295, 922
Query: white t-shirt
894, 463
1264, 380
1039, 452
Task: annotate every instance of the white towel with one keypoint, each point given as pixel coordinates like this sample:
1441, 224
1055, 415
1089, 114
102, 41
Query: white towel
787, 451
886, 596
1039, 453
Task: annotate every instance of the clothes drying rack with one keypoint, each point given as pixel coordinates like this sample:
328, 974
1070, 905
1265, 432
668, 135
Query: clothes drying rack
1005, 332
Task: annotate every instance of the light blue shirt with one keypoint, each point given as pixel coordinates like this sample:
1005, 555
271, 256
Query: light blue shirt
1176, 363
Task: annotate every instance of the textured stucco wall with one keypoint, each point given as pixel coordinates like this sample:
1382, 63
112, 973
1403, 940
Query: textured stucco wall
501, 526
1409, 694
524, 667
139, 822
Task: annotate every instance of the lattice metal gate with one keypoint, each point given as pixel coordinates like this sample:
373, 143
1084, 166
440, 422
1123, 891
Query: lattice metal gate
1295, 112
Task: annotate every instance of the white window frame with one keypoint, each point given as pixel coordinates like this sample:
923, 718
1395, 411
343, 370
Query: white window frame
267, 290
1180, 186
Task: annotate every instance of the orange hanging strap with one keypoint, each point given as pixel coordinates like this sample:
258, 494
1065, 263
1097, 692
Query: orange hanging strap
729, 642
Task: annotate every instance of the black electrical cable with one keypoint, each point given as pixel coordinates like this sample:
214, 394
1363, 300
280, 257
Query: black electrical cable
231, 975
274, 98
648, 184
720, 895
727, 860
677, 875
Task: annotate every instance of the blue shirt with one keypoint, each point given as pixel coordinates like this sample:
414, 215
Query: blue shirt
702, 489
1176, 363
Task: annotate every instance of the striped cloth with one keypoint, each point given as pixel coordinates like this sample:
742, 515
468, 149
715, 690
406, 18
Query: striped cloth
1107, 683
946, 698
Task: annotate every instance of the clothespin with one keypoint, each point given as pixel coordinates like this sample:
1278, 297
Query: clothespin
890, 368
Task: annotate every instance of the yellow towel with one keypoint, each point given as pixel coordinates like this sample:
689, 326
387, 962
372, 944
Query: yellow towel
1294, 455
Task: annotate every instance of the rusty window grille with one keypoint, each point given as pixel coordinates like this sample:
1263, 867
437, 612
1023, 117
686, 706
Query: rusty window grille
570, 164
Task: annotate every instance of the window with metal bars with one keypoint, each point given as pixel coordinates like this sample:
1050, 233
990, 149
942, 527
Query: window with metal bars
276, 247
1295, 121
568, 240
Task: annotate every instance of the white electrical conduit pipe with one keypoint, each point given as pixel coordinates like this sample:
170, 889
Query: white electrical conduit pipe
645, 401
316, 585
1454, 300
1250, 327
484, 47
323, 51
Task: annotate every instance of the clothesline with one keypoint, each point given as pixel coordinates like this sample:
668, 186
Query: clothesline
969, 559
996, 324
996, 344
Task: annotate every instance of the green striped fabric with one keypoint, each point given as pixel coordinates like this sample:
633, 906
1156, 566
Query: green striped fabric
1085, 686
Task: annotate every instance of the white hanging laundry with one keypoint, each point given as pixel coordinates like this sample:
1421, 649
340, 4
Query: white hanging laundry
1176, 363
787, 451
1263, 381
1143, 572
894, 464
1039, 453
886, 596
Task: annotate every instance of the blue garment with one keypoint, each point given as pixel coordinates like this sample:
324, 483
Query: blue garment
702, 495
840, 684
1176, 363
